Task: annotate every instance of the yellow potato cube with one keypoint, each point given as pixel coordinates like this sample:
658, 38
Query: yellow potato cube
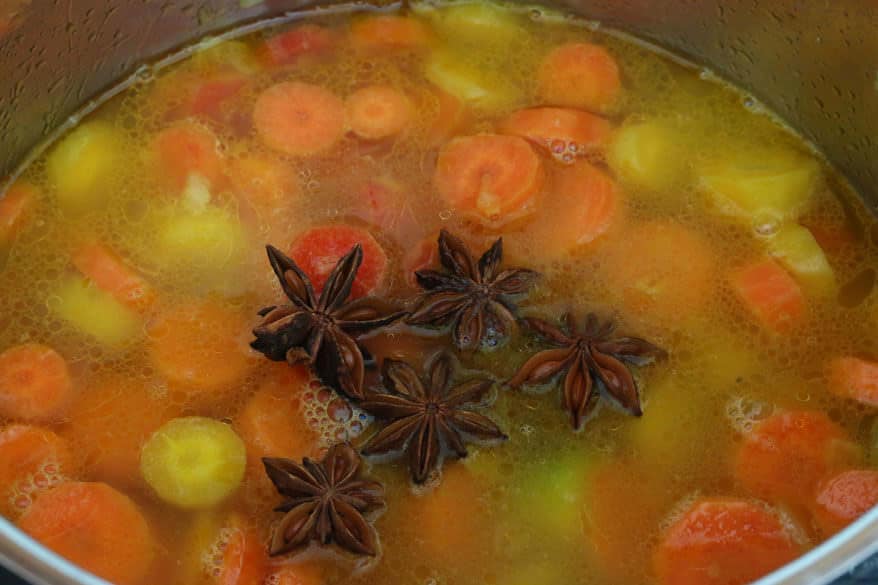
95, 313
798, 250
81, 165
646, 155
452, 73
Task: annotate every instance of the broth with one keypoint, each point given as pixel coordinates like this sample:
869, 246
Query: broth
134, 249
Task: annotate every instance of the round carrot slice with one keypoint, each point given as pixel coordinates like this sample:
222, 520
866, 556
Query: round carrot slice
844, 498
94, 526
564, 132
32, 459
34, 383
388, 33
494, 178
723, 542
185, 149
200, 349
299, 119
579, 75
785, 455
378, 111
16, 206
266, 183
317, 251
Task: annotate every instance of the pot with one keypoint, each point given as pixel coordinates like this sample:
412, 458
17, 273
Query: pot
814, 62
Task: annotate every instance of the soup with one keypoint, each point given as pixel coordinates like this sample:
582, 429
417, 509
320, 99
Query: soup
540, 305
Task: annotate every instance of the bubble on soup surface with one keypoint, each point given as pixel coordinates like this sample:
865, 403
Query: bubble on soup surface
744, 412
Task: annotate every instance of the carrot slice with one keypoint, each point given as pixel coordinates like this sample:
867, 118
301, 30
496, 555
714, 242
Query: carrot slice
661, 268
300, 43
94, 526
221, 360
266, 183
843, 498
187, 148
494, 178
272, 423
32, 459
16, 207
564, 132
378, 111
579, 75
212, 96
317, 251
771, 295
389, 33
298, 118
245, 560
298, 574
724, 542
451, 117
108, 425
111, 274
854, 378
34, 383
785, 455
382, 202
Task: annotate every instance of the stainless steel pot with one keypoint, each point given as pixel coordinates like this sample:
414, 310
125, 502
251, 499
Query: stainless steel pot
814, 62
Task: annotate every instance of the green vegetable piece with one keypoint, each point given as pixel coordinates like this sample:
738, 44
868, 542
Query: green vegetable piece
646, 155
193, 462
798, 250
95, 312
81, 164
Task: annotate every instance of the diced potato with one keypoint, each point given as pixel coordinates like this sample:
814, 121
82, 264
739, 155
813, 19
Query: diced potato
554, 490
208, 243
799, 252
95, 312
236, 54
453, 74
761, 184
646, 154
82, 163
478, 22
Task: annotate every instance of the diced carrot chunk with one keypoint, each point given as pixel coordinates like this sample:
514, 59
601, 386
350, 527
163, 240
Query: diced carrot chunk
771, 295
301, 42
579, 75
843, 498
16, 206
188, 148
564, 132
35, 383
854, 378
111, 274
245, 560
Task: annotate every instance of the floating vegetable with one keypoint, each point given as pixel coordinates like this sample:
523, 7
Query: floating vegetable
80, 166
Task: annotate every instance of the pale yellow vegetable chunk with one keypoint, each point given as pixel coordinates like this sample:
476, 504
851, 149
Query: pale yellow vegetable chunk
478, 22
452, 73
646, 155
82, 164
193, 462
210, 240
798, 250
761, 184
95, 313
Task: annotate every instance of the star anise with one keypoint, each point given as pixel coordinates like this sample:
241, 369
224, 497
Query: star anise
326, 501
426, 416
591, 359
474, 297
321, 330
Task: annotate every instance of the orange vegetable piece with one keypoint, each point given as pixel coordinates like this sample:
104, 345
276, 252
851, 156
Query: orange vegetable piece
211, 95
299, 119
94, 526
579, 75
16, 207
301, 42
298, 574
784, 456
843, 498
317, 251
222, 357
382, 202
723, 542
111, 274
771, 295
245, 560
108, 425
272, 423
35, 383
266, 183
378, 111
854, 378
388, 33
32, 459
494, 178
661, 268
564, 132
451, 117
187, 148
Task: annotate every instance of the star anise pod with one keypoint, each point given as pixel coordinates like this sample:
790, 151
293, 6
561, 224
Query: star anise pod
474, 297
326, 501
591, 359
426, 416
321, 330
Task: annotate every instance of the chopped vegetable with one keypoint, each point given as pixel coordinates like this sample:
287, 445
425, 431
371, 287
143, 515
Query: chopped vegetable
482, 23
186, 149
552, 491
95, 527
378, 111
647, 155
384, 202
245, 561
111, 274
212, 97
302, 43
854, 378
785, 455
193, 462
16, 208
579, 75
35, 383
389, 33
770, 294
496, 179
564, 132
268, 184
299, 119
81, 165
796, 248
95, 313
32, 459
843, 498
452, 116
455, 74
317, 251
724, 542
